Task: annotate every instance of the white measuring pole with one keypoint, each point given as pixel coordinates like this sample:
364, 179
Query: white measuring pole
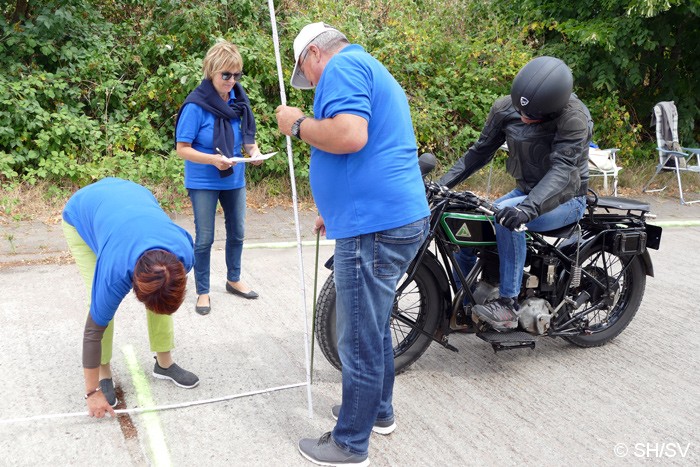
283, 100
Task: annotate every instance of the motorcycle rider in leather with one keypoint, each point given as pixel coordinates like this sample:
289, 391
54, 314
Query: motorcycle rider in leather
548, 131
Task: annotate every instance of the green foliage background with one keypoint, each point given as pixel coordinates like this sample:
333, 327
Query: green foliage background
90, 88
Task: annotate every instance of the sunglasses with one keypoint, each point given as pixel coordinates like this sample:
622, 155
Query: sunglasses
227, 76
301, 63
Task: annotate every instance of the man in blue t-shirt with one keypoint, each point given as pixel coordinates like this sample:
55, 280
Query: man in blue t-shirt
371, 199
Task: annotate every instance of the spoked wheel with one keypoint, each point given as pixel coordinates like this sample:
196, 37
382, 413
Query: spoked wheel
416, 308
616, 286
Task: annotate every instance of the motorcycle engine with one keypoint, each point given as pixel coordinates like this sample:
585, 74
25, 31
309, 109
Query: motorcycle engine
485, 292
535, 315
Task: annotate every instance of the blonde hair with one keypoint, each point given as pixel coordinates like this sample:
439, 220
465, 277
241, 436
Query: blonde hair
223, 56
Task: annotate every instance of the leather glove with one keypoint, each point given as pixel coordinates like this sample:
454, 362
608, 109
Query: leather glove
511, 217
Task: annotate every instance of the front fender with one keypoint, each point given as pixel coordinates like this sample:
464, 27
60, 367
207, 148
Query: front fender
430, 261
441, 279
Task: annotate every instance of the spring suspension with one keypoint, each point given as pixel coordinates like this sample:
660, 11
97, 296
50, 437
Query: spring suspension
575, 276
575, 268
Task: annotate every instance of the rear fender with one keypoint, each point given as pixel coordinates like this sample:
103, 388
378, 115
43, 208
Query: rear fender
646, 262
595, 242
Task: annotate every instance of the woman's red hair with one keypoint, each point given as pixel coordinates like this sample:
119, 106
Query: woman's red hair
159, 281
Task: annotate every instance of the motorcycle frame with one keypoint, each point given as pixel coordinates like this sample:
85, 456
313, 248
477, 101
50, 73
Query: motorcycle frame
591, 232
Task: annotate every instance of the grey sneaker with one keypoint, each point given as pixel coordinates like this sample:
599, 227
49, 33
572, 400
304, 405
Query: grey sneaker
107, 388
383, 427
182, 378
500, 314
324, 451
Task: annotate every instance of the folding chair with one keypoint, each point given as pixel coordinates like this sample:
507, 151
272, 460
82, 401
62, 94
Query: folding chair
603, 163
672, 156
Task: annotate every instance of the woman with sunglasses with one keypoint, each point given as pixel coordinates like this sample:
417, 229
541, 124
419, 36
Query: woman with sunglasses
214, 124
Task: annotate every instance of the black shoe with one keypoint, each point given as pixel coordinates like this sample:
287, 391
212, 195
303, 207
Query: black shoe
249, 295
183, 378
107, 388
203, 310
500, 314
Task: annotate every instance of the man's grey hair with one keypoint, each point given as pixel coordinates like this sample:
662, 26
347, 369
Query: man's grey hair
330, 41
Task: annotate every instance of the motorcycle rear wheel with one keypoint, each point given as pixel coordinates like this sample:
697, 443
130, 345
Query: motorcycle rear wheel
418, 302
622, 297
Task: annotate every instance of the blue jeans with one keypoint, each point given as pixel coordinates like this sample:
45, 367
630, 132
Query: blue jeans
367, 269
512, 248
204, 207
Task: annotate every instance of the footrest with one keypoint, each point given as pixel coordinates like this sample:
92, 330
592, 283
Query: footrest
508, 340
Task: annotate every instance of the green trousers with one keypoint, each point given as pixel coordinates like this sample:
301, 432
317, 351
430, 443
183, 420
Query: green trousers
160, 327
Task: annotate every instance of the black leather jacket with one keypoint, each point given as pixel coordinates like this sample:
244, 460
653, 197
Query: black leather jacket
549, 160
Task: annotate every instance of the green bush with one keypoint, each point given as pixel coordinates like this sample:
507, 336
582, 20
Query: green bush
613, 128
91, 88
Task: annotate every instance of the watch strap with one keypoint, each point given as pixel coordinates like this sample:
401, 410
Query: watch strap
296, 127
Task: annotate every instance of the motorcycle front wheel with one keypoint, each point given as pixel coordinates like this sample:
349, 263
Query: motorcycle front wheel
417, 304
616, 286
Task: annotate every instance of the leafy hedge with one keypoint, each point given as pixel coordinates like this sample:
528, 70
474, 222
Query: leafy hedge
626, 55
90, 88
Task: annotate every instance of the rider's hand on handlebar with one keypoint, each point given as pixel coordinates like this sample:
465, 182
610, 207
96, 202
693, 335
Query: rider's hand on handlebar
511, 217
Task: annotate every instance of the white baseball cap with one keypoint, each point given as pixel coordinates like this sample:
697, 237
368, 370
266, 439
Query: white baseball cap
303, 39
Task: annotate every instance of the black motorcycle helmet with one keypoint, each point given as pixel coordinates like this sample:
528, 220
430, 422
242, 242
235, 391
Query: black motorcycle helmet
541, 89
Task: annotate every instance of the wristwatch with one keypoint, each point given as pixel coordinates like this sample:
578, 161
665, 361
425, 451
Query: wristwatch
296, 128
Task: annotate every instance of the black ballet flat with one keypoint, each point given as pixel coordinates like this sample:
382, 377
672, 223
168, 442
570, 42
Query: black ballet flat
249, 295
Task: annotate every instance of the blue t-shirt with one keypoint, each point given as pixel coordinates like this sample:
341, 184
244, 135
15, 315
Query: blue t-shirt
196, 126
379, 187
120, 220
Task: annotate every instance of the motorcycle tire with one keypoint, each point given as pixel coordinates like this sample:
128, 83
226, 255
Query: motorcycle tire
622, 298
418, 302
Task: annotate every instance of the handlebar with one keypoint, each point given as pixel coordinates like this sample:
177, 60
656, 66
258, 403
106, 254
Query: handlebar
469, 198
474, 201
427, 162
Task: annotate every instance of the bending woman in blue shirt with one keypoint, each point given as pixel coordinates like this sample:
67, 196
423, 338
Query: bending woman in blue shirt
212, 125
121, 239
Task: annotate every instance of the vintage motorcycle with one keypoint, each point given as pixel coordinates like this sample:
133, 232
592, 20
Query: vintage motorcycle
583, 282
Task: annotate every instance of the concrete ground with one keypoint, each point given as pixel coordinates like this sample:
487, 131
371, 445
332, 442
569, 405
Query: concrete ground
634, 400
